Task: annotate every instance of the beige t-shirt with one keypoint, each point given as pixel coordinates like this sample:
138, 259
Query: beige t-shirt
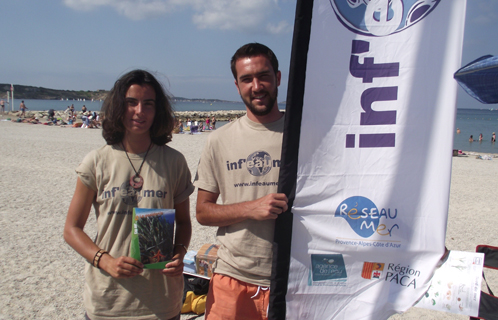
167, 181
241, 162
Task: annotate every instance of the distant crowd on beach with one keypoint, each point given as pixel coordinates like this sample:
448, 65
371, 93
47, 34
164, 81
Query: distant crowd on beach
196, 126
89, 119
70, 117
92, 119
481, 137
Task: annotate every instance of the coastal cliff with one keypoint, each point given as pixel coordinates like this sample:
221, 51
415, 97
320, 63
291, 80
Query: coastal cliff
40, 93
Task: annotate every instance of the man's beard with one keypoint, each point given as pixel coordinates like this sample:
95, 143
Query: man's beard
268, 107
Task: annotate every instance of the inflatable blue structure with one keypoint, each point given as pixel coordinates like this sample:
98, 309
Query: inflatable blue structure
480, 79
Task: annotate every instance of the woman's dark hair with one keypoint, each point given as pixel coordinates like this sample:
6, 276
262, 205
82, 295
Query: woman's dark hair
115, 105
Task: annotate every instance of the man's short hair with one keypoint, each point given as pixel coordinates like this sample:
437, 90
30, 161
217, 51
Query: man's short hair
252, 50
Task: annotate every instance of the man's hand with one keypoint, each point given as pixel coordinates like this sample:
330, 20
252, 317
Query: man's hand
268, 207
209, 213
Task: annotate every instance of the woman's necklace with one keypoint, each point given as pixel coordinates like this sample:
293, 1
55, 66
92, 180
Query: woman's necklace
136, 181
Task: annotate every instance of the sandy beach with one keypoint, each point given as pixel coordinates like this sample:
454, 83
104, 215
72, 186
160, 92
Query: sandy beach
42, 277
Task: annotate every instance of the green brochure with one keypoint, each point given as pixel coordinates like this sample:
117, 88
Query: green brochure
152, 236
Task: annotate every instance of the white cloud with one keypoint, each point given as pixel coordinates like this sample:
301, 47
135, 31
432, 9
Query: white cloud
86, 5
132, 9
241, 15
252, 16
281, 27
487, 12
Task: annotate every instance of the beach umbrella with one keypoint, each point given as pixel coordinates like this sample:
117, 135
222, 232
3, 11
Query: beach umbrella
480, 79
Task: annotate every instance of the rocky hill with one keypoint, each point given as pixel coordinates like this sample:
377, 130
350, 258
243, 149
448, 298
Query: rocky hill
40, 93
29, 92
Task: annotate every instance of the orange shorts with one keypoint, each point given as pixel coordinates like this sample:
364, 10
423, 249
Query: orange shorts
229, 299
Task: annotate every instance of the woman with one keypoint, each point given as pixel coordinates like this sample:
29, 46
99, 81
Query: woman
213, 122
134, 169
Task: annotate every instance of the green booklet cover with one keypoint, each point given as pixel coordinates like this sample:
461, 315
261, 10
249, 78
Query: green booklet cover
152, 236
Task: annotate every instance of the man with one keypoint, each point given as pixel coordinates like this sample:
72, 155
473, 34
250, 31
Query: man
22, 108
2, 105
241, 162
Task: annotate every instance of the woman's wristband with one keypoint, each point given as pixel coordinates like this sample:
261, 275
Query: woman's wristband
96, 258
182, 245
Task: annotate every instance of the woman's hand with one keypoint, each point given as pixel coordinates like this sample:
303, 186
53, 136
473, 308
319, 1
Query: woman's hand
175, 267
122, 267
182, 239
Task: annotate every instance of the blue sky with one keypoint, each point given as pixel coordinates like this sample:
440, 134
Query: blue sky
87, 44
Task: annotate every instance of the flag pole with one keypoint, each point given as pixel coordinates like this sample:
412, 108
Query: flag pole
12, 89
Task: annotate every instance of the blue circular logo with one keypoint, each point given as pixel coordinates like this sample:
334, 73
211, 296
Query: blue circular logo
259, 163
381, 17
361, 214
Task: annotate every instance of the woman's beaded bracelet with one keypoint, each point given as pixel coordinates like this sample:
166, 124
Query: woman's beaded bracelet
96, 258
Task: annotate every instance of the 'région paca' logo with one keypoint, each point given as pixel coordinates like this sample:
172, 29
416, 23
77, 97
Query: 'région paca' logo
381, 17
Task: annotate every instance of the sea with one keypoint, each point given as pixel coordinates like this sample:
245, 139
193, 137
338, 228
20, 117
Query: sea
473, 122
469, 121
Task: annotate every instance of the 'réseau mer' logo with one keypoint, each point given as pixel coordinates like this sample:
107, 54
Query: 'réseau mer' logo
381, 17
364, 217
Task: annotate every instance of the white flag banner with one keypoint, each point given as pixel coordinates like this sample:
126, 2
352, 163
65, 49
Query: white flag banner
369, 133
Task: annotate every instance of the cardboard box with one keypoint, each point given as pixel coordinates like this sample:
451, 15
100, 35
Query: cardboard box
189, 262
205, 258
